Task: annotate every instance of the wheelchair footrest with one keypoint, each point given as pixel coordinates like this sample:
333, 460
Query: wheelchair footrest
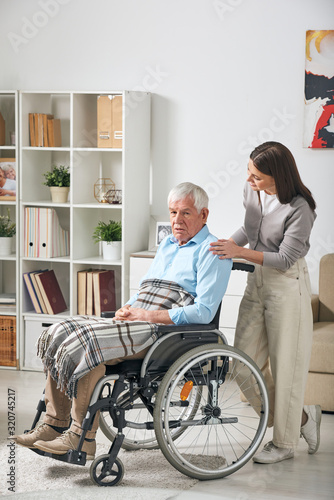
71, 457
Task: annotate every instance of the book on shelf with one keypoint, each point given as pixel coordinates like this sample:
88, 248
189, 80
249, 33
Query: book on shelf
32, 130
7, 298
51, 292
43, 236
44, 130
38, 291
104, 291
82, 291
89, 294
31, 288
96, 291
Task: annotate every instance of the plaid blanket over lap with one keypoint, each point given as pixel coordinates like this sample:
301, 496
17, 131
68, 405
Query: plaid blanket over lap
71, 348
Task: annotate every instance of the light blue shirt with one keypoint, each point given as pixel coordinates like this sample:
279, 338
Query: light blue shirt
196, 270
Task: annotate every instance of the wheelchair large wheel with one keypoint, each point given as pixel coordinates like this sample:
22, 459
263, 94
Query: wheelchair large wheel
225, 432
136, 435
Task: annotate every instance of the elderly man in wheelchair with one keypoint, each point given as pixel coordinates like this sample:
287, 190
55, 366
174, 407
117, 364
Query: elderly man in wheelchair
167, 366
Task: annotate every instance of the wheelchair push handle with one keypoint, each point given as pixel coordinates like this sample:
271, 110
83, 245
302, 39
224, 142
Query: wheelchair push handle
241, 266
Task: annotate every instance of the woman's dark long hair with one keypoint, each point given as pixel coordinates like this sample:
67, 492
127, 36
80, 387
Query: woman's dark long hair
275, 159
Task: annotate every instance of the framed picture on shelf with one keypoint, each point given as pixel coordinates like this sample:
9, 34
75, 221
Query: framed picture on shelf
7, 179
159, 229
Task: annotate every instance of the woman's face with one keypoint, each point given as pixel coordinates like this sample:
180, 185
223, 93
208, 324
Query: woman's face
10, 174
259, 181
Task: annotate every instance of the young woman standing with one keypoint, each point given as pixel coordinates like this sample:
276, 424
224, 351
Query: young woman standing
275, 323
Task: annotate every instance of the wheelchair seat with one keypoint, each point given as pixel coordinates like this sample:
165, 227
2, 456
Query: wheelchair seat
174, 341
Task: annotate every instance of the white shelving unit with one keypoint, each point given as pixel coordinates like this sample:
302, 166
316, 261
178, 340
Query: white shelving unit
9, 270
128, 167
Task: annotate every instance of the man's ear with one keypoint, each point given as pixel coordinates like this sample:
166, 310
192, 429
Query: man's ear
205, 215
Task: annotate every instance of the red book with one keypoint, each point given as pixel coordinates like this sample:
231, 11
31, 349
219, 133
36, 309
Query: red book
104, 291
51, 292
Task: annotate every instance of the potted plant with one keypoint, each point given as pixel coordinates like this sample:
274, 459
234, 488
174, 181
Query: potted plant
58, 180
7, 231
110, 233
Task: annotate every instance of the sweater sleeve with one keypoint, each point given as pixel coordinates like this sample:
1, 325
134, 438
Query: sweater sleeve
295, 240
240, 236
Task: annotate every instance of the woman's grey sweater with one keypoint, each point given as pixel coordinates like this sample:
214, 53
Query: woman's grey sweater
282, 235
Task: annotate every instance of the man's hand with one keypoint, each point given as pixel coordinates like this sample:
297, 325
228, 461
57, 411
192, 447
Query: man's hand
128, 313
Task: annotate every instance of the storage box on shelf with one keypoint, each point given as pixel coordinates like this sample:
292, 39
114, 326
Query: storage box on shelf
9, 264
8, 341
126, 165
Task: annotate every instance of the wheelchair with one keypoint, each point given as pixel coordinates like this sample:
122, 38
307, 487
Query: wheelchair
184, 398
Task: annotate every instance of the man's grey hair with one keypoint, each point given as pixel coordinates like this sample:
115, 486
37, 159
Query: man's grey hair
181, 191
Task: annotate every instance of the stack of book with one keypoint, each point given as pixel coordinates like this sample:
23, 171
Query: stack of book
96, 291
44, 130
44, 291
7, 299
43, 235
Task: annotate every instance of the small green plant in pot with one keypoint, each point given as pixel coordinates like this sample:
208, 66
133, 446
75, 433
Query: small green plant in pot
110, 233
58, 180
7, 231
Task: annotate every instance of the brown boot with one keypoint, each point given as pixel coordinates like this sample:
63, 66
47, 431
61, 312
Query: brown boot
67, 441
42, 432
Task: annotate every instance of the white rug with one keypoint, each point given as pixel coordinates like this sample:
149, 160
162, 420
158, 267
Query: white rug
148, 475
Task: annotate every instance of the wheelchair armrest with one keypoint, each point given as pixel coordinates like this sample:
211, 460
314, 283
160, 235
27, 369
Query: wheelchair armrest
108, 314
185, 328
242, 266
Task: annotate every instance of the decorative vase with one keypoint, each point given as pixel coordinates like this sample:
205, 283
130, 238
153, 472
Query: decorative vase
59, 194
111, 250
5, 245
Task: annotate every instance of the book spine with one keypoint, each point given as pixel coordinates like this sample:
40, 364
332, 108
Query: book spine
38, 291
32, 292
44, 295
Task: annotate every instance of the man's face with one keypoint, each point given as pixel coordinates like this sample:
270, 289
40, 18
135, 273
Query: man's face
185, 220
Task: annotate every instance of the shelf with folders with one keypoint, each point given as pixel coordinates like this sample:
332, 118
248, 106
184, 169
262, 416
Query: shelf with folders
86, 109
46, 232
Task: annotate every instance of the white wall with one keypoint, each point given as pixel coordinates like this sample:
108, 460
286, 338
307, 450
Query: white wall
225, 74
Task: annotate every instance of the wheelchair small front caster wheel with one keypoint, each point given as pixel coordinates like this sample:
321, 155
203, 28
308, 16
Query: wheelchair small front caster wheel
102, 475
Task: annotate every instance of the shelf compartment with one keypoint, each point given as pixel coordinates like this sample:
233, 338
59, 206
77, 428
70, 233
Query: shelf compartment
85, 119
7, 109
62, 272
85, 221
90, 166
98, 266
37, 162
57, 104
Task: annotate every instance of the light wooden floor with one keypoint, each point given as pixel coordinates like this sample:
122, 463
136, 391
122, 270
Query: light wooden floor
306, 477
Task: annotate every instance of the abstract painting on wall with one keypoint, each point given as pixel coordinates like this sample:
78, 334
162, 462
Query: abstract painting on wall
319, 90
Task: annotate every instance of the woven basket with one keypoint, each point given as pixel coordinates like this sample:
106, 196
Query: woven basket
8, 341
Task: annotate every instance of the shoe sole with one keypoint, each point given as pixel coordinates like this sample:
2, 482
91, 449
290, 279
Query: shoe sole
53, 452
263, 461
318, 415
31, 446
